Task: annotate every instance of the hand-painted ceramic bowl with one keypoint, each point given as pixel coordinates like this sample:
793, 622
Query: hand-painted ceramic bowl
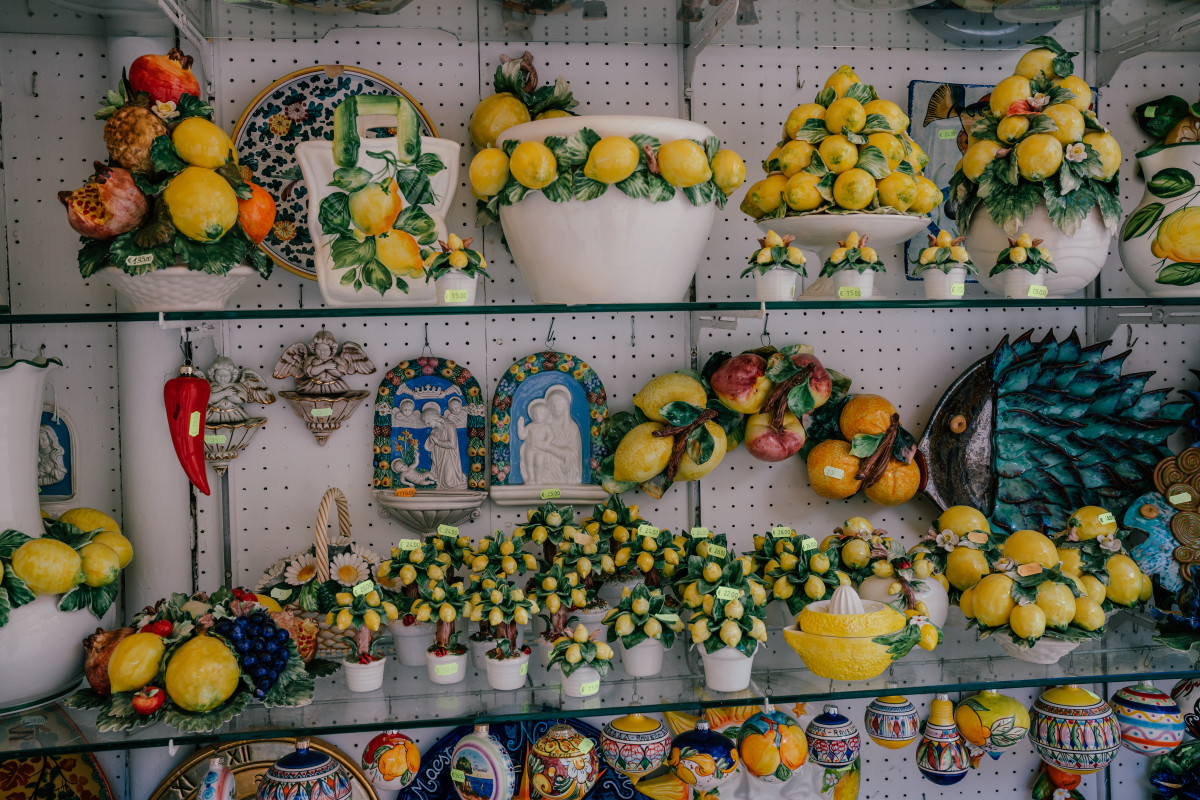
306, 774
635, 744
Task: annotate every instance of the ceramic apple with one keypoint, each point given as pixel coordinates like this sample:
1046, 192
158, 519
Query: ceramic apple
741, 383
819, 382
768, 443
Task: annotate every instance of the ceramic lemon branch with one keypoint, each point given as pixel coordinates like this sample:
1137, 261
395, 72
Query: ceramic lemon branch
945, 252
454, 255
580, 650
776, 252
1023, 253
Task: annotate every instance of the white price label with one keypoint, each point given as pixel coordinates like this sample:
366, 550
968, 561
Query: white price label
1106, 518
140, 260
835, 472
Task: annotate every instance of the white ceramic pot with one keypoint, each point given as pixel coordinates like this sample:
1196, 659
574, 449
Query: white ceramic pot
446, 669
592, 617
176, 288
1046, 651
617, 249
850, 284
508, 675
364, 677
941, 285
544, 647
1018, 283
583, 682
777, 284
610, 591
643, 660
411, 641
932, 595
479, 649
456, 289
727, 669
1078, 258
1168, 170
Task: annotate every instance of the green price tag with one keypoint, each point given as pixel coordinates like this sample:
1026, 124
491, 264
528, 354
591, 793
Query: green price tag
1182, 497
445, 669
716, 551
322, 412
214, 438
670, 619
648, 530
1106, 518
457, 776
1040, 292
834, 472
408, 544
589, 689
849, 293
457, 295
1149, 112
808, 543
701, 533
947, 133
363, 588
280, 593
194, 424
525, 668
782, 532
727, 593
447, 530
586, 745
551, 494
958, 289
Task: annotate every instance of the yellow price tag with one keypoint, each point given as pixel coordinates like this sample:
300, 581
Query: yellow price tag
525, 668
214, 438
947, 133
445, 669
1040, 292
407, 491
322, 412
1106, 518
808, 543
447, 530
717, 551
727, 593
551, 494
408, 544
781, 532
589, 689
194, 424
700, 533
958, 289
363, 588
648, 530
1181, 497
457, 775
456, 295
849, 293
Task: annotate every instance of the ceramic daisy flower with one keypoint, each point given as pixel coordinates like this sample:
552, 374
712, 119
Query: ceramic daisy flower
348, 569
301, 570
366, 554
272, 575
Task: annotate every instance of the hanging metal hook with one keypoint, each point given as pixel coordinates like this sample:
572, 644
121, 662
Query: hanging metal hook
632, 332
426, 349
550, 335
1130, 339
764, 338
185, 347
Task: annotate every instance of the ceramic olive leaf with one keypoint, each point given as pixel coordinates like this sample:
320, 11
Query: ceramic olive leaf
1171, 182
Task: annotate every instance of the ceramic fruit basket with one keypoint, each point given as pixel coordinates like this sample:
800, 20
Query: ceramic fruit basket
606, 209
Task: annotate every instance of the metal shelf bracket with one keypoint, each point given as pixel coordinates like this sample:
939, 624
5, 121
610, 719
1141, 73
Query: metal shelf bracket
1108, 318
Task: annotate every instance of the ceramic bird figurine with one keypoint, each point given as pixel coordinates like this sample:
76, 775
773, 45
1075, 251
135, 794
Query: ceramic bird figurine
319, 366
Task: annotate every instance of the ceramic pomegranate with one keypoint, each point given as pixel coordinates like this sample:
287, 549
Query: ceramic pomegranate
128, 134
99, 648
164, 78
108, 205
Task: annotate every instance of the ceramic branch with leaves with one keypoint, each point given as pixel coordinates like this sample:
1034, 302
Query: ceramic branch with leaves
645, 623
613, 523
853, 265
582, 660
1023, 266
944, 266
455, 270
558, 593
517, 100
775, 266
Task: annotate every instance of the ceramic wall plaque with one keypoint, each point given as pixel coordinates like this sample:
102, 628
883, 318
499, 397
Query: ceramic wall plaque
545, 431
55, 457
228, 427
322, 397
430, 452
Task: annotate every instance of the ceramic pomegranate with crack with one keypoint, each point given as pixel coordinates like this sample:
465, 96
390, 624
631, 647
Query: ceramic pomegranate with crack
109, 204
165, 78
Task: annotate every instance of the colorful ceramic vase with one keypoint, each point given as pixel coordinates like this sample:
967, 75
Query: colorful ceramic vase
772, 745
1151, 722
306, 774
703, 758
833, 740
634, 744
1074, 730
481, 769
391, 760
941, 755
992, 722
218, 783
892, 721
1186, 694
563, 765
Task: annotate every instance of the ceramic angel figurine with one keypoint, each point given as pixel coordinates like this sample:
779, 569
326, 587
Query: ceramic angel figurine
319, 366
228, 427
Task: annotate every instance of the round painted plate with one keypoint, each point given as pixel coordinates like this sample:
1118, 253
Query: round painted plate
298, 108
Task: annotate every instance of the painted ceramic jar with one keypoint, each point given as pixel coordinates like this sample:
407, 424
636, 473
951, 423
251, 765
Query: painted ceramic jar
1160, 240
1074, 730
218, 783
992, 722
1151, 722
833, 740
772, 746
1186, 694
481, 769
635, 744
562, 765
703, 758
941, 755
306, 774
391, 760
892, 721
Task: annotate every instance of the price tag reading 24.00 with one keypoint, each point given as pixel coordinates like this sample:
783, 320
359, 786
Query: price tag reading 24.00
648, 530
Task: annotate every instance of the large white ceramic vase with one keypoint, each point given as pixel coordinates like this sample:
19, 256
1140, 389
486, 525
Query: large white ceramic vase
613, 249
1170, 202
41, 648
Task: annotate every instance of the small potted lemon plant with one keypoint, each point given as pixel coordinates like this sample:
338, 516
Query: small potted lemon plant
944, 266
582, 660
853, 265
558, 593
645, 625
1022, 267
612, 525
412, 565
443, 603
455, 270
505, 607
775, 266
495, 561
548, 526
653, 553
359, 613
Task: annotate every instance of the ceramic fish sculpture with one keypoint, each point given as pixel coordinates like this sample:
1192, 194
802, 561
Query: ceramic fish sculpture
1035, 430
949, 101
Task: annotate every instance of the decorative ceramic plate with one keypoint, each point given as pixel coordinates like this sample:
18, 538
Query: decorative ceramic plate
74, 776
298, 108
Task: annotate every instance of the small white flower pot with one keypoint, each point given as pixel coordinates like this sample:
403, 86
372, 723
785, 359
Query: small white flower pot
850, 284
412, 641
610, 591
941, 285
1019, 284
446, 669
544, 647
364, 677
509, 674
643, 660
456, 289
479, 650
778, 284
583, 682
727, 669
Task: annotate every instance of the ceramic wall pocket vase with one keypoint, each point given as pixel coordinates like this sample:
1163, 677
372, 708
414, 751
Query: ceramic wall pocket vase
481, 768
391, 760
306, 774
545, 427
1151, 722
563, 765
430, 447
997, 407
1074, 730
56, 474
635, 744
941, 756
228, 427
322, 399
1160, 245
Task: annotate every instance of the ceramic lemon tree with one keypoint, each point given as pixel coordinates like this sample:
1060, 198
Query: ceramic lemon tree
803, 577
455, 270
582, 660
944, 266
504, 608
1022, 267
442, 602
559, 593
549, 525
653, 552
853, 265
496, 560
358, 614
614, 524
645, 625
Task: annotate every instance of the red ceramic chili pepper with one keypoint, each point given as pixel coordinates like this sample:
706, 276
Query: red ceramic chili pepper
186, 397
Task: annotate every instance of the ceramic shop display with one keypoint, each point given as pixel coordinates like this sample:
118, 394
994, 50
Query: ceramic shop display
634, 744
563, 765
481, 768
374, 207
1074, 730
391, 760
1150, 721
772, 746
986, 411
306, 774
430, 448
322, 399
776, 265
941, 756
1158, 244
331, 6
299, 107
991, 723
943, 266
56, 473
702, 758
228, 428
545, 428
892, 722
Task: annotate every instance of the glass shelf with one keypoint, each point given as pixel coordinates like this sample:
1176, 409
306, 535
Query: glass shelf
960, 665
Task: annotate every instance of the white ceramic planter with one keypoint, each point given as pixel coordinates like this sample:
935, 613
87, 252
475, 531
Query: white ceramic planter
1139, 259
583, 682
364, 677
610, 591
412, 641
1016, 283
1046, 651
456, 289
544, 647
508, 675
848, 280
592, 617
479, 659
1078, 258
940, 285
447, 669
643, 660
622, 250
727, 669
176, 288
777, 284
